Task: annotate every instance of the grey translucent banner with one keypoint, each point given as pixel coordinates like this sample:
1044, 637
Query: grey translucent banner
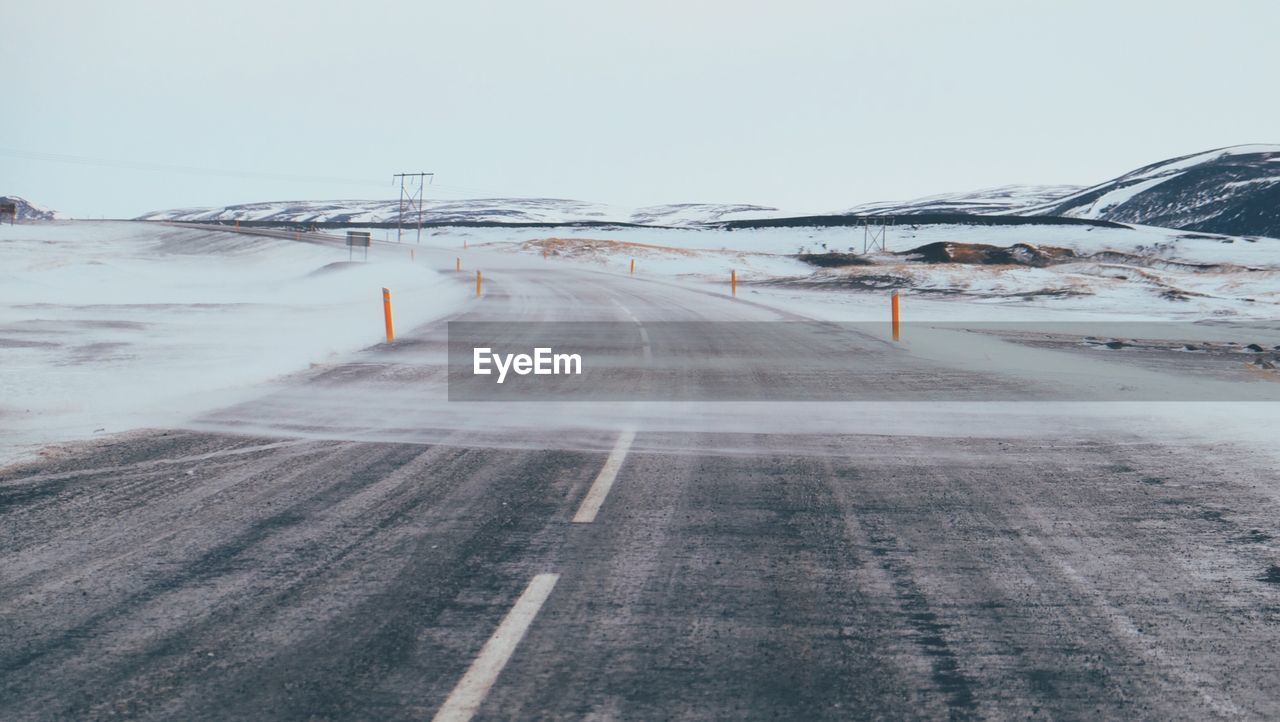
816, 361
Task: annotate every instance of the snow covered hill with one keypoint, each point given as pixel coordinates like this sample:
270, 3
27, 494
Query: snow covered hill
550, 211
692, 214
28, 211
1003, 200
1234, 191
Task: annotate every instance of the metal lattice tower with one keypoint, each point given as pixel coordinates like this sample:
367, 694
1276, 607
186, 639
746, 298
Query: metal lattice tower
411, 198
875, 234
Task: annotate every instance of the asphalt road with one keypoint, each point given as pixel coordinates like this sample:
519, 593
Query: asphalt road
291, 558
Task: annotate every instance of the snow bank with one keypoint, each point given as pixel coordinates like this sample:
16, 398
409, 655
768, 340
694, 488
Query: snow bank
112, 326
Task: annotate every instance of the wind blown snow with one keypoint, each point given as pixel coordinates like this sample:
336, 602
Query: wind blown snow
112, 326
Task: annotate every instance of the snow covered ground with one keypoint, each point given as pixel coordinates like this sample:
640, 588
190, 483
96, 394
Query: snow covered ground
1140, 272
111, 326
1226, 288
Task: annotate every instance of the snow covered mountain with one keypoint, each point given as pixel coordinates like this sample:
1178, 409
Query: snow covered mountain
551, 211
500, 210
1235, 191
1003, 200
691, 214
28, 211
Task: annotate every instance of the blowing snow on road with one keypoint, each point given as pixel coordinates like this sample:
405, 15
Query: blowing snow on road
597, 361
948, 537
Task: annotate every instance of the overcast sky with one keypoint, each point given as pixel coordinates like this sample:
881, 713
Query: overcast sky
806, 105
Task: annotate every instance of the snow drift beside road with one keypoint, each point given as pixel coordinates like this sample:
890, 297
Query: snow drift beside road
111, 326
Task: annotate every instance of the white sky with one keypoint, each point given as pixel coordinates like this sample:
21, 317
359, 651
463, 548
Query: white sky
807, 105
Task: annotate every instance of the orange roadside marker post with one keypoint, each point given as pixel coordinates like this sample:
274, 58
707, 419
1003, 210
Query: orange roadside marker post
897, 317
386, 313
633, 266
479, 282
457, 264
733, 282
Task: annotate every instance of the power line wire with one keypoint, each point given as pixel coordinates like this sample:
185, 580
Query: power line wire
190, 170
441, 188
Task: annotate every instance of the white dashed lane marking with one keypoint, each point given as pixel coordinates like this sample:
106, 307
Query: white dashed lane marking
469, 693
604, 480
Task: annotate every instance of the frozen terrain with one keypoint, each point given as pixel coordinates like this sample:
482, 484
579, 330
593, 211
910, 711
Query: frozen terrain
111, 326
1140, 271
309, 529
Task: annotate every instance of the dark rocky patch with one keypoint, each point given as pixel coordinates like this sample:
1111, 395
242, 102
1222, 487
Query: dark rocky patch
1019, 254
834, 259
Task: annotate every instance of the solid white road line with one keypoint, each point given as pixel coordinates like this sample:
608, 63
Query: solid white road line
604, 481
469, 693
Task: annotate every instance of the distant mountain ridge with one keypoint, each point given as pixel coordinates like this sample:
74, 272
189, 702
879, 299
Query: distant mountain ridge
550, 211
1003, 200
1233, 191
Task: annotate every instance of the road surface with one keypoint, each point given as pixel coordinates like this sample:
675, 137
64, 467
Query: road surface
352, 546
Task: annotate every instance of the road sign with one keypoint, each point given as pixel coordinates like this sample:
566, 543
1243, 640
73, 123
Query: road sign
359, 239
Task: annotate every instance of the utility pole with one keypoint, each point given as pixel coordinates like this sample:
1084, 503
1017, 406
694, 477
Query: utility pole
873, 236
411, 196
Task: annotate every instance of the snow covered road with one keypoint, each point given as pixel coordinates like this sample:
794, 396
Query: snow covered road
344, 541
